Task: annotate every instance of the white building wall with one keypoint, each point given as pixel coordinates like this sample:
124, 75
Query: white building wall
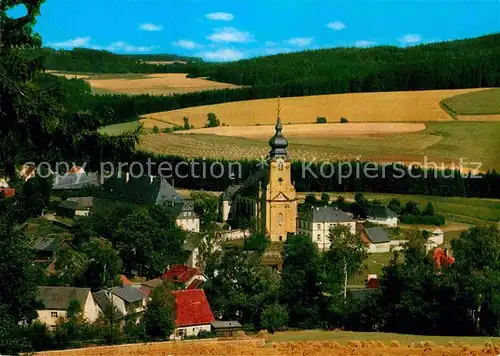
320, 231
390, 222
189, 224
91, 310
437, 238
226, 208
81, 213
379, 248
192, 330
50, 316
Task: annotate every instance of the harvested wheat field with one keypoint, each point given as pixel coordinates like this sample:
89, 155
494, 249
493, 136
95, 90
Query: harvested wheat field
156, 84
311, 130
316, 348
405, 106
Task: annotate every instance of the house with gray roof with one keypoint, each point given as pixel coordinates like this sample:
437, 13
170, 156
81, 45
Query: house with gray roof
46, 248
376, 240
318, 221
382, 215
75, 181
56, 301
126, 299
147, 190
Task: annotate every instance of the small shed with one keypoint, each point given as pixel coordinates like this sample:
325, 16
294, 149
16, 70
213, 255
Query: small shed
379, 240
70, 209
225, 328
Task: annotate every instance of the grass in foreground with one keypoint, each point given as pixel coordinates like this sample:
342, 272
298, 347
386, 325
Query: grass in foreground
484, 102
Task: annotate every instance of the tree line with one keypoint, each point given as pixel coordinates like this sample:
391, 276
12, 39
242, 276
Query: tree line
388, 178
449, 65
84, 60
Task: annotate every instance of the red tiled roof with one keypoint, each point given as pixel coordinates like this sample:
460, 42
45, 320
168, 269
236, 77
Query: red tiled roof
441, 258
373, 283
8, 192
192, 308
180, 273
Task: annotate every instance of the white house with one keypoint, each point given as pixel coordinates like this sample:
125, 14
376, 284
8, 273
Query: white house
193, 313
56, 301
437, 236
187, 219
125, 299
317, 222
379, 214
377, 240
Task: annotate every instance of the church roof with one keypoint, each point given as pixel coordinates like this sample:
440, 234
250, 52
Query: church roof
278, 142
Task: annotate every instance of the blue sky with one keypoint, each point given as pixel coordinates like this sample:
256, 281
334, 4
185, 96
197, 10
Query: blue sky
234, 29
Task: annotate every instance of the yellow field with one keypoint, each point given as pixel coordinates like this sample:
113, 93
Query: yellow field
408, 106
158, 84
297, 348
155, 84
308, 130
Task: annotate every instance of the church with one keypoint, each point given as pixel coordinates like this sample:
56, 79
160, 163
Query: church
266, 200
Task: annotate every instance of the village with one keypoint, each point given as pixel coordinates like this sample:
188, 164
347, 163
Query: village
316, 219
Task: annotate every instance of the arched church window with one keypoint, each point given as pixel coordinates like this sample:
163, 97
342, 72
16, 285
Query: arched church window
280, 165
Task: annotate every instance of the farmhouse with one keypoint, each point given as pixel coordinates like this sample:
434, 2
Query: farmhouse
125, 299
56, 301
225, 328
437, 237
318, 221
193, 313
268, 197
377, 240
379, 214
147, 191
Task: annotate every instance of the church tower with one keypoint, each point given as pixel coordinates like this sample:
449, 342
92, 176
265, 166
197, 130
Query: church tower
281, 202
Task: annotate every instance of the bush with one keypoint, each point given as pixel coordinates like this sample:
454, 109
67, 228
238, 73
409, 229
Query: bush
343, 120
156, 129
212, 120
166, 130
274, 317
437, 220
321, 120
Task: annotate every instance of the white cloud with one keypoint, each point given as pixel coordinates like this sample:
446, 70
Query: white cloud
186, 44
76, 42
151, 27
336, 25
410, 39
120, 46
270, 43
300, 41
364, 43
222, 55
230, 35
220, 16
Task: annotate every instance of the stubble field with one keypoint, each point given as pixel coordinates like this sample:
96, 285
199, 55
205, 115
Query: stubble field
444, 143
317, 343
154, 84
407, 106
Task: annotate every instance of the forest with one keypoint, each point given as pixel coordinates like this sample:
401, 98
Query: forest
449, 65
84, 60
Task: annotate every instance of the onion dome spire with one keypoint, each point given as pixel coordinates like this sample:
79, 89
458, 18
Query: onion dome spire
278, 142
